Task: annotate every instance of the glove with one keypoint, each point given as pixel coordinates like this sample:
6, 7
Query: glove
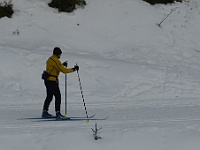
65, 64
76, 68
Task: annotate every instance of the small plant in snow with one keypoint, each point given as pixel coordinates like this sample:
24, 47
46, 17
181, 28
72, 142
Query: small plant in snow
16, 32
172, 10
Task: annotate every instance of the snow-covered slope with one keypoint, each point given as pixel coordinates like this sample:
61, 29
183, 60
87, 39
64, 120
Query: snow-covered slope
144, 76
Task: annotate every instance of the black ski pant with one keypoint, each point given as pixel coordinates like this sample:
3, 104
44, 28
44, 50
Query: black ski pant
52, 89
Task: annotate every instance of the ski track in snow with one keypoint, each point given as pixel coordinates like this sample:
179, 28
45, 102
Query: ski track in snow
121, 116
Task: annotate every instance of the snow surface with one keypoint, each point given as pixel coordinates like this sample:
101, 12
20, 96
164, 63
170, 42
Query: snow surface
145, 77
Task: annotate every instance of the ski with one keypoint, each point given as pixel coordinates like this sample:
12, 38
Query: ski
54, 117
73, 119
83, 118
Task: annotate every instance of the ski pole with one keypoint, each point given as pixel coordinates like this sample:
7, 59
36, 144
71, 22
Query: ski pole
65, 95
81, 89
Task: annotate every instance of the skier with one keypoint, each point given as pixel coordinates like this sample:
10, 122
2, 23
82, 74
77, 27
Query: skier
53, 69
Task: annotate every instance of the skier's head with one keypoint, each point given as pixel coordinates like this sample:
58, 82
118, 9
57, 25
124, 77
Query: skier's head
57, 51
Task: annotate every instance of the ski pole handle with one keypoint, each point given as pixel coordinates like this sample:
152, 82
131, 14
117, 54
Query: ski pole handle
76, 68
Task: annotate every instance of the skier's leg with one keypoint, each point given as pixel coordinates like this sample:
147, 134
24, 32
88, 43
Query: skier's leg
49, 97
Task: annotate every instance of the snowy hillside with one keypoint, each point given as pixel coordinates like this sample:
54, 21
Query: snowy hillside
145, 77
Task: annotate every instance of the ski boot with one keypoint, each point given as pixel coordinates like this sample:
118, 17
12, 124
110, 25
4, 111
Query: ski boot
59, 116
45, 114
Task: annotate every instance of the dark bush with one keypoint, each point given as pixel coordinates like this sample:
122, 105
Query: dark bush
153, 2
81, 3
66, 5
6, 9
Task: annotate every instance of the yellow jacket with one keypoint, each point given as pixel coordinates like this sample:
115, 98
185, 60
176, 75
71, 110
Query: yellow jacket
54, 67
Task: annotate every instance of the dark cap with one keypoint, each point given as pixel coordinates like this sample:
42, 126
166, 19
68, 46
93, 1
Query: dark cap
57, 51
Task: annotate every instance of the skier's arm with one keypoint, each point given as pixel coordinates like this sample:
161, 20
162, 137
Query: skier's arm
63, 69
